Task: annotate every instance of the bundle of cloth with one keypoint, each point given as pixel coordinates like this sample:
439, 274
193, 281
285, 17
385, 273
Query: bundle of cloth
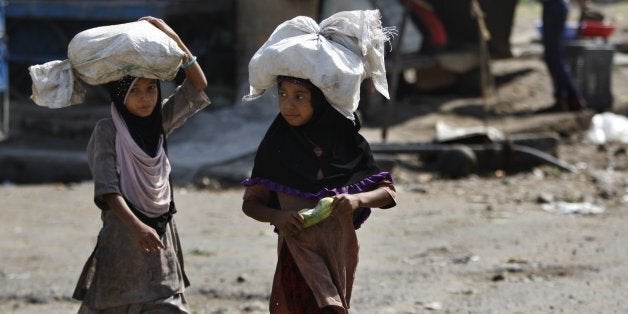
336, 56
104, 54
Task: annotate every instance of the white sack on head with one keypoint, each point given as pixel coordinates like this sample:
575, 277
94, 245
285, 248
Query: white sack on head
336, 56
103, 54
54, 85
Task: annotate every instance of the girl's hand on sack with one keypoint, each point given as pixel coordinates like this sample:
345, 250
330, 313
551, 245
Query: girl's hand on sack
147, 238
288, 222
159, 23
344, 204
193, 72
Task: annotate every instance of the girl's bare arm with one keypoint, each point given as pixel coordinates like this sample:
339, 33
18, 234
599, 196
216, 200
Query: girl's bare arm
193, 73
347, 203
290, 222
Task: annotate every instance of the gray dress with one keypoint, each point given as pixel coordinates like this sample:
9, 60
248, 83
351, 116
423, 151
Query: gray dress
118, 272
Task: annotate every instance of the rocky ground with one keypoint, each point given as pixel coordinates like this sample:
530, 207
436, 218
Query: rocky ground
541, 240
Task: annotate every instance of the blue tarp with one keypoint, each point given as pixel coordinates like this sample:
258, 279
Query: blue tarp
4, 67
86, 10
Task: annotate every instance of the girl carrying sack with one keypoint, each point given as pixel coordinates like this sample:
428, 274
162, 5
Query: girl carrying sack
313, 154
137, 263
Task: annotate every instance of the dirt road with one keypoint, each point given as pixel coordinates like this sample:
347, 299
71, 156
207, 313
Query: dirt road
481, 245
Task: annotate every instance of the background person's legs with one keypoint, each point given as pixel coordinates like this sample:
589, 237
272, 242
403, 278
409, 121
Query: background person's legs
566, 95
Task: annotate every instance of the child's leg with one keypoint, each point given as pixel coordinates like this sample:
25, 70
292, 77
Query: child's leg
298, 294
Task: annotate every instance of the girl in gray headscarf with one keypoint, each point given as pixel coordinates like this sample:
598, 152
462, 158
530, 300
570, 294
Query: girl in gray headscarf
137, 264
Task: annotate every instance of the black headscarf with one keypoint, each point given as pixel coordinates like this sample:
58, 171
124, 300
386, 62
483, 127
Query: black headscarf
145, 131
286, 155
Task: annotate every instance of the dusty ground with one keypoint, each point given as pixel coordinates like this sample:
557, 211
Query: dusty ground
482, 244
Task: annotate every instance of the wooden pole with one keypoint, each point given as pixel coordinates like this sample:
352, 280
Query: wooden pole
486, 77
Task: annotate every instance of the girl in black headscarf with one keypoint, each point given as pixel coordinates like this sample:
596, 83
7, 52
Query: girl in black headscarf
311, 151
137, 264
146, 131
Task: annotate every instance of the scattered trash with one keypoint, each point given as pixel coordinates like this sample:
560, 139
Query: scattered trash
241, 279
462, 291
544, 198
446, 132
608, 127
584, 208
434, 306
19, 276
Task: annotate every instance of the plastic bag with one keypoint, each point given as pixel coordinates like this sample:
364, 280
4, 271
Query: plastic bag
608, 127
54, 85
108, 53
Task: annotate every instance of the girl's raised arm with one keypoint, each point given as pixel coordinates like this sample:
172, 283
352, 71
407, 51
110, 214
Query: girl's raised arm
193, 71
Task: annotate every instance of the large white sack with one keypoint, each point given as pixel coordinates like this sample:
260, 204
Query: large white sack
336, 56
108, 53
54, 85
393, 14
